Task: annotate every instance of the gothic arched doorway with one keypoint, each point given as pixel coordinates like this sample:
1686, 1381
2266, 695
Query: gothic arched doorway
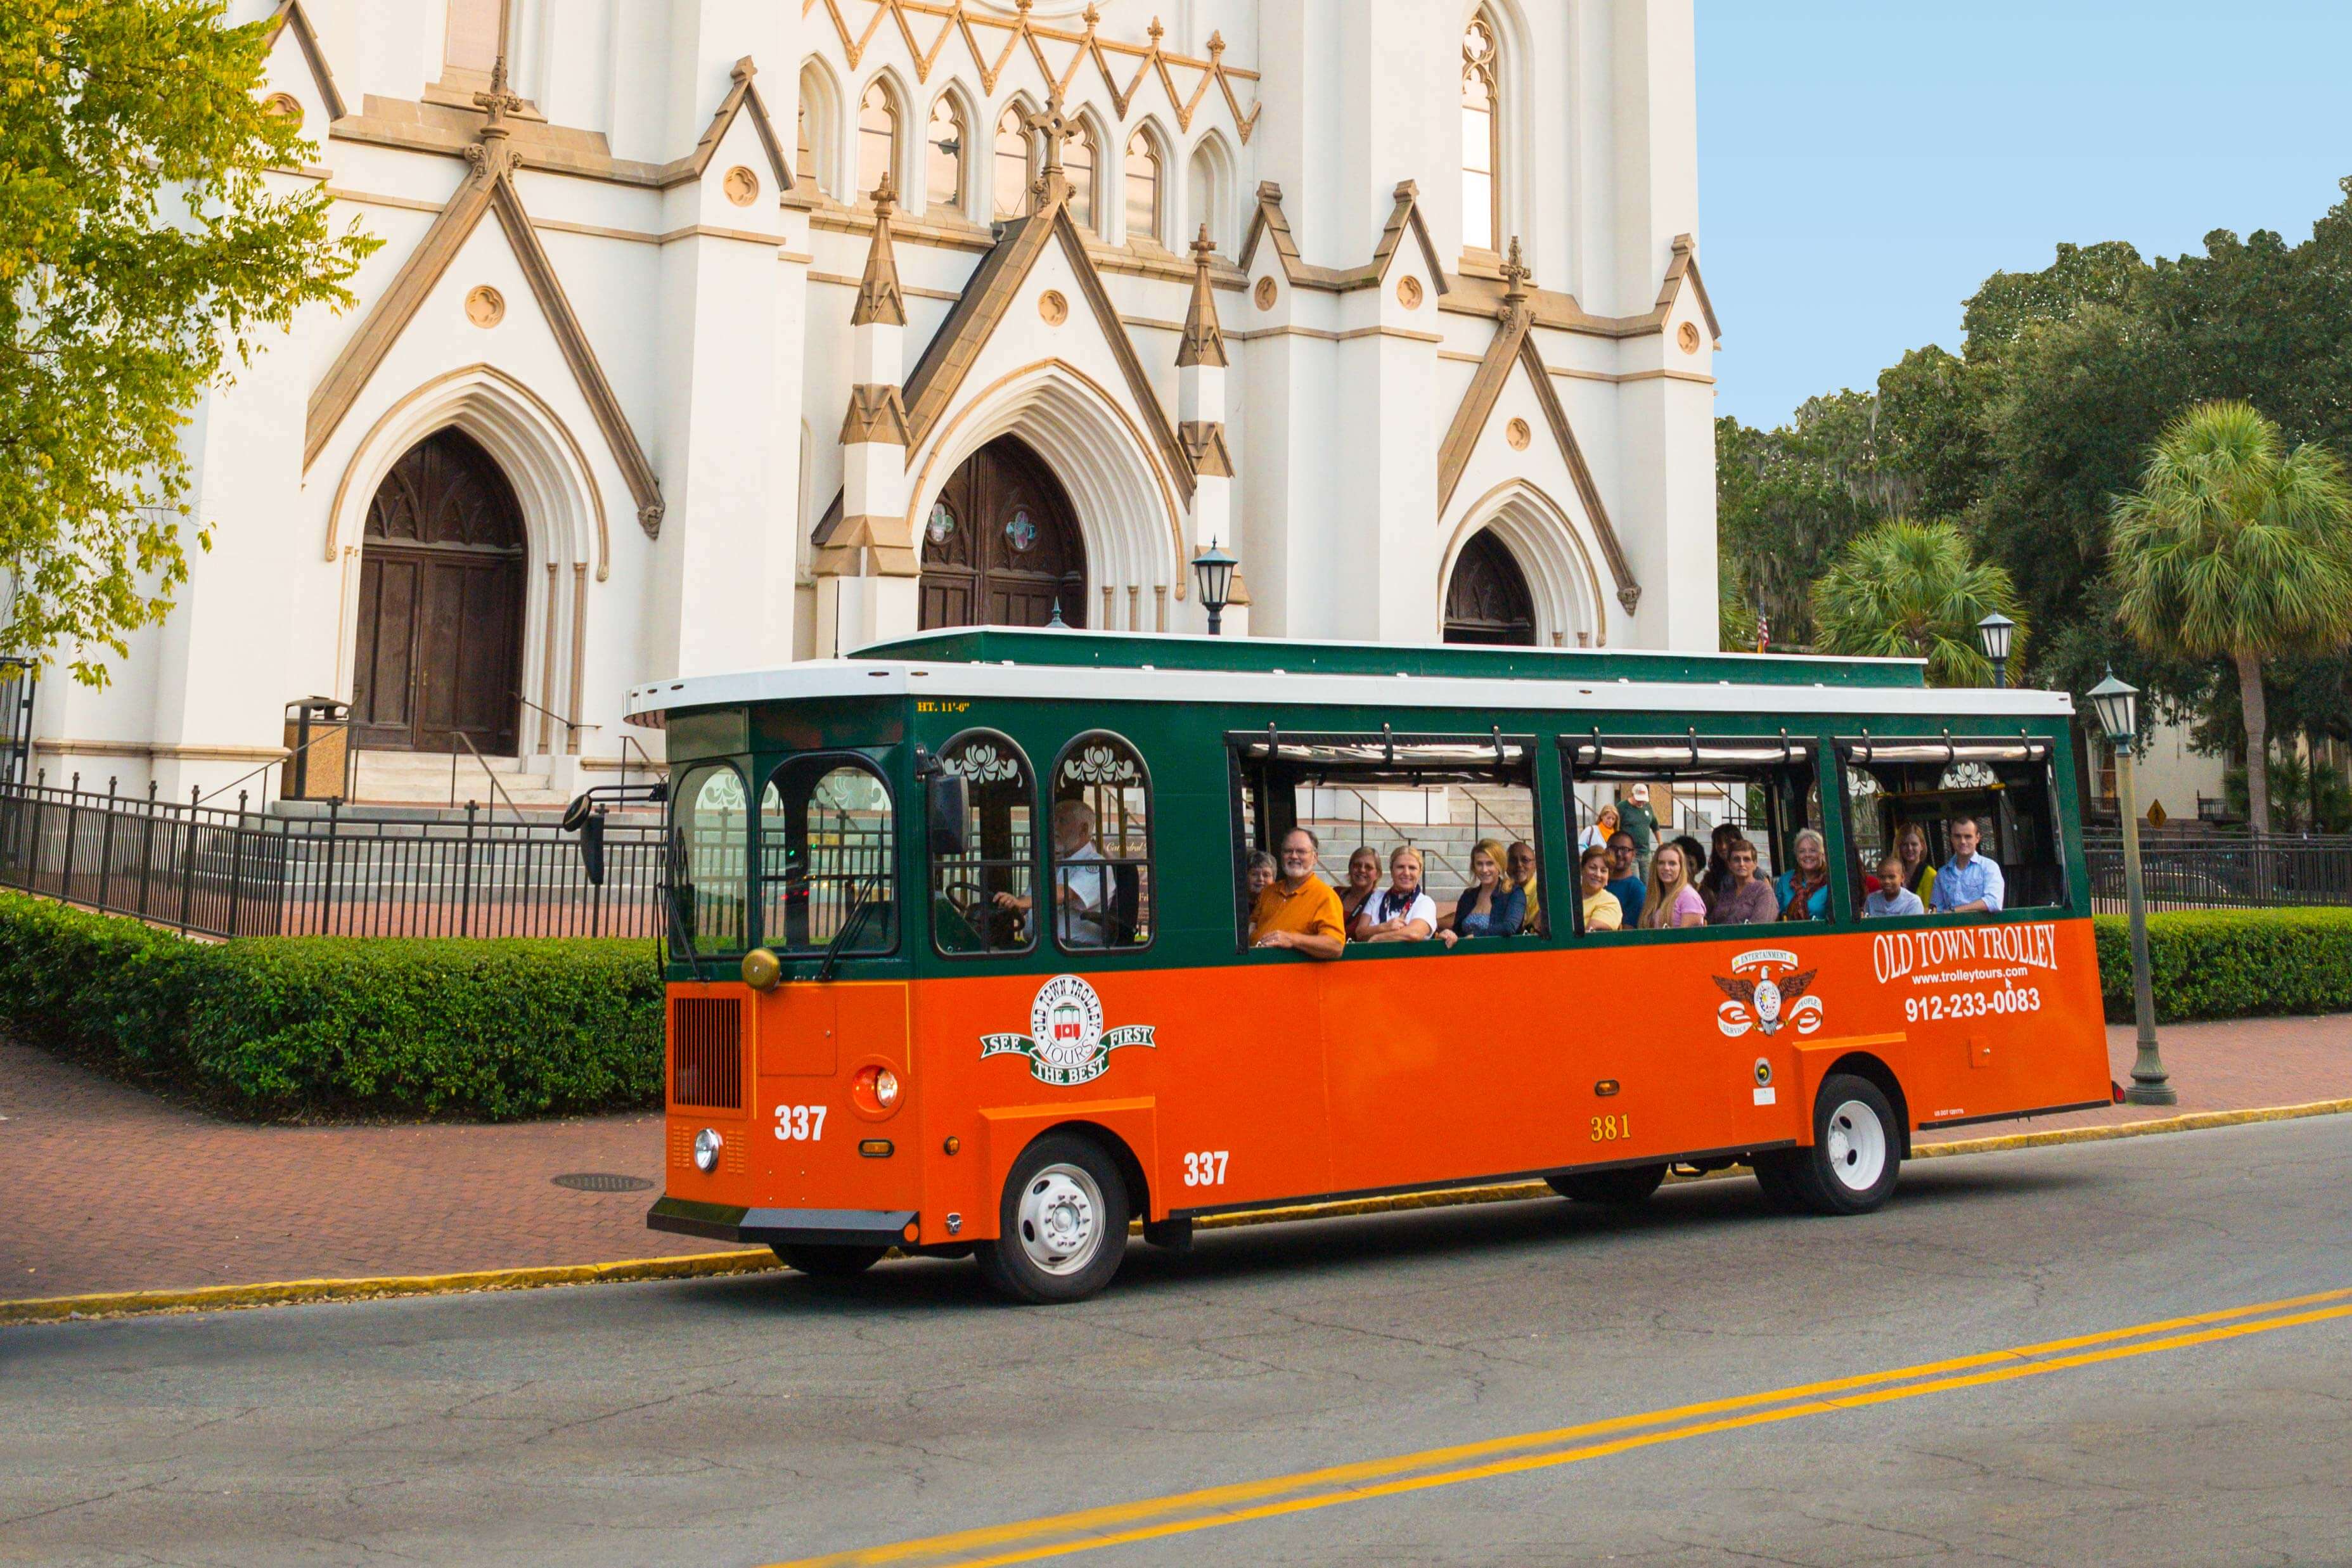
1487, 601
1001, 546
441, 603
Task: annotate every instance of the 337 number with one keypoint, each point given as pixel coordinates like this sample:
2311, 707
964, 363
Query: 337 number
800, 1123
1205, 1169
1609, 1129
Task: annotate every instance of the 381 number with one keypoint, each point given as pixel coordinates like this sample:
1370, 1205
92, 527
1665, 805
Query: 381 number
1205, 1169
1609, 1129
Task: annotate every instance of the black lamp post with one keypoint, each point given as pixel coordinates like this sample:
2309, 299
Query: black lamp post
1214, 568
1994, 635
2118, 707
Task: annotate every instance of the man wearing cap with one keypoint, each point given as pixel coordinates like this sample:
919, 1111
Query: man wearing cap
1634, 816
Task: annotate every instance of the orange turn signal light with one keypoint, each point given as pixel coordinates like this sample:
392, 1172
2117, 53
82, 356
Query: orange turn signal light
1605, 1088
875, 1148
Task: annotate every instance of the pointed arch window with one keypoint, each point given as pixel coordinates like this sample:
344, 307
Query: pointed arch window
1482, 218
815, 159
943, 146
1012, 163
1142, 187
1079, 167
877, 139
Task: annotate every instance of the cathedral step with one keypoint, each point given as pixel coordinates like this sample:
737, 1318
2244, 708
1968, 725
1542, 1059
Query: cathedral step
427, 778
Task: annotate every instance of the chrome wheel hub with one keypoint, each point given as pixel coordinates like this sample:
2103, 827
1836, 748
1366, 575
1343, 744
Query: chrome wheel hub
1856, 1146
1061, 1219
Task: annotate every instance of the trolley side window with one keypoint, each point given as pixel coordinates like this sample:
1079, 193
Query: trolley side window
825, 857
1698, 799
1100, 821
710, 843
984, 853
1458, 802
1910, 795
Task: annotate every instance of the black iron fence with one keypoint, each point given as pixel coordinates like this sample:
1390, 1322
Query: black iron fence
2223, 872
234, 872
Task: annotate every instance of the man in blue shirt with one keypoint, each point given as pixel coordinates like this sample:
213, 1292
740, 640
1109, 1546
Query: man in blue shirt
1969, 884
1625, 877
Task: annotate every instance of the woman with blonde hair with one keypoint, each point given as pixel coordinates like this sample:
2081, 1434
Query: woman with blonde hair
1403, 911
1363, 884
1671, 902
1918, 870
1489, 906
1604, 828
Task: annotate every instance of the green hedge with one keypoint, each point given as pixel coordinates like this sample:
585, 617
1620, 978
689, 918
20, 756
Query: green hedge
294, 1027
2232, 964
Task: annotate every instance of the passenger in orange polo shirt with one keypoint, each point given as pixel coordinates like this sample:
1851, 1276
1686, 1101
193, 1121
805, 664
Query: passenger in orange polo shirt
1301, 912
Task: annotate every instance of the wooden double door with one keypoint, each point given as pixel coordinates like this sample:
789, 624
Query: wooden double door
1001, 546
442, 588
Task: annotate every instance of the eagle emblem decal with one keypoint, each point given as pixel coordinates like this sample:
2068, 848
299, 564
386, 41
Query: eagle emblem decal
1768, 994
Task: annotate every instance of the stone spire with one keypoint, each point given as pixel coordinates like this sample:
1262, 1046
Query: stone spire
878, 300
1515, 279
1205, 340
1051, 187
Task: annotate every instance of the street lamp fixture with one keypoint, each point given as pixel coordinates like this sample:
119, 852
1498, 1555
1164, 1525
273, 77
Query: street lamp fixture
1994, 635
2118, 707
1215, 570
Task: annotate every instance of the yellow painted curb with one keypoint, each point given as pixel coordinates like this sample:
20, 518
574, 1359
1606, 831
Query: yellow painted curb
702, 1265
287, 1292
2193, 1121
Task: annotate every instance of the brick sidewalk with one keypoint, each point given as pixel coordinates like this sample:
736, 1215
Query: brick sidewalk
110, 1189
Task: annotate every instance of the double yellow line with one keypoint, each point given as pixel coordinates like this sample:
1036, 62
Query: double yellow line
1154, 1518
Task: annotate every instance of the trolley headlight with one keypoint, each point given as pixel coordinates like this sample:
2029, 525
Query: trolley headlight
885, 1087
706, 1145
875, 1091
762, 969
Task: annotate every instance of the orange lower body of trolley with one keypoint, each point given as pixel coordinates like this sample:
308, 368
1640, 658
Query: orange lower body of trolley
1027, 1118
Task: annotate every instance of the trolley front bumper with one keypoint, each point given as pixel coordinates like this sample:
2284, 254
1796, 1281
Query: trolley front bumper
729, 1222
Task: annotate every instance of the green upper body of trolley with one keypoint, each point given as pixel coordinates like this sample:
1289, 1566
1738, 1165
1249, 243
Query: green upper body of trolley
865, 736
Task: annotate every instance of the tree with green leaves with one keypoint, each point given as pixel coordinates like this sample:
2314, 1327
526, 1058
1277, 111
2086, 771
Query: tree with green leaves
146, 248
2235, 547
1914, 590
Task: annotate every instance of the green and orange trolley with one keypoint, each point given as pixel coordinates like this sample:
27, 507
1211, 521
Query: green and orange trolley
959, 965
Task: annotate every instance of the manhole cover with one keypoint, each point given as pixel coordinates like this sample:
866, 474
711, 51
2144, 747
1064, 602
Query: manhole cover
604, 1182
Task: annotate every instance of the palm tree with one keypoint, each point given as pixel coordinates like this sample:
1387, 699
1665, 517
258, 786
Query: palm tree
2235, 547
1914, 590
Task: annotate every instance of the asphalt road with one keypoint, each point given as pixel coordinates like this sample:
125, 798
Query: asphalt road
768, 1418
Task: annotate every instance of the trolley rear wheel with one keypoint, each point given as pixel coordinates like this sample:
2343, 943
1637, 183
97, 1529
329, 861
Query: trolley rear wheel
1857, 1151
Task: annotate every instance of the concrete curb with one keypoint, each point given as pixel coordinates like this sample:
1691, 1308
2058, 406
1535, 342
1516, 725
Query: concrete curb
704, 1265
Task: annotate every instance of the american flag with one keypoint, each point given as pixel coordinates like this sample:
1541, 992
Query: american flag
1763, 629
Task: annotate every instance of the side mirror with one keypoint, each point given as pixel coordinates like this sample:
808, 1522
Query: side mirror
949, 802
592, 848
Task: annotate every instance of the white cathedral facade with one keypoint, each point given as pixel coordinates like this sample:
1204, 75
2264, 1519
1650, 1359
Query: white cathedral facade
1398, 300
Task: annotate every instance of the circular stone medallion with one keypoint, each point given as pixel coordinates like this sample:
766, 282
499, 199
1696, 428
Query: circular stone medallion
1409, 293
742, 186
1518, 434
1265, 294
1052, 307
484, 306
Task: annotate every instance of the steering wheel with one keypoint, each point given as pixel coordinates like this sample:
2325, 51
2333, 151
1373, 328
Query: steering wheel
976, 910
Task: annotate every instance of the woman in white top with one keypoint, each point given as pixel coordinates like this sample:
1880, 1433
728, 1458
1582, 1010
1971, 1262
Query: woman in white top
1604, 828
1401, 912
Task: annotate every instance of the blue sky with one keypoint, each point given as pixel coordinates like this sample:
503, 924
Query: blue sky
1863, 167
